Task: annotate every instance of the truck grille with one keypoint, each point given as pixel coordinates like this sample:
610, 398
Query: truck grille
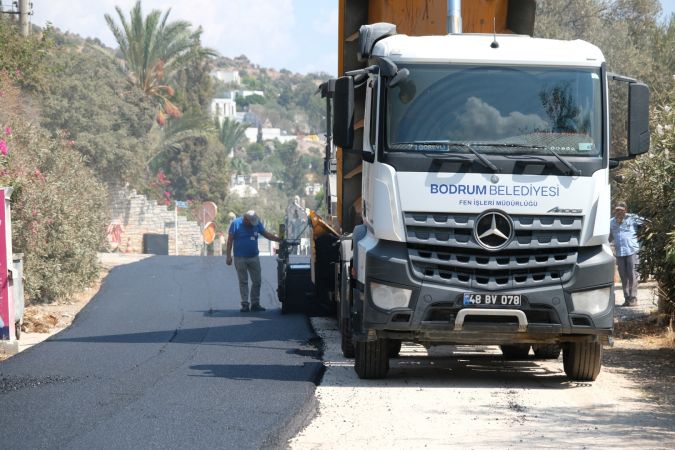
442, 249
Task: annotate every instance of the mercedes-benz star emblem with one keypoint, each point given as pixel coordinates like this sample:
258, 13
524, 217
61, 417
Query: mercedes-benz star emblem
493, 230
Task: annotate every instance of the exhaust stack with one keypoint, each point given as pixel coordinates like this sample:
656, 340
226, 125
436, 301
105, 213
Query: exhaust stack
454, 22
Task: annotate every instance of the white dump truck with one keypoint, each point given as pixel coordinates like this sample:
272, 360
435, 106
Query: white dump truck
471, 193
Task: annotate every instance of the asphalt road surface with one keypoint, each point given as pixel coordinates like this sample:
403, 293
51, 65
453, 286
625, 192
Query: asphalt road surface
162, 358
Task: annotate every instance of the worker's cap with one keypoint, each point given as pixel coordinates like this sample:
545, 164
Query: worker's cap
252, 217
621, 206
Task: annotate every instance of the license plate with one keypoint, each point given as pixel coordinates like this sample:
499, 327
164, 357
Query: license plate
492, 299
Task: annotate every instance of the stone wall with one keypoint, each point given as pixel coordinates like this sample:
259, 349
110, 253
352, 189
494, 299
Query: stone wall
133, 215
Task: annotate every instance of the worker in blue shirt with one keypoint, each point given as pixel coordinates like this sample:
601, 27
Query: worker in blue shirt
623, 229
243, 236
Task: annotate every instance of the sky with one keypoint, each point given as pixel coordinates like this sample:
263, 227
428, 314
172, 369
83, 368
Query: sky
298, 35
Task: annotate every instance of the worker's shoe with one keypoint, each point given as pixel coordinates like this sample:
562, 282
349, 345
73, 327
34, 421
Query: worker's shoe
257, 308
630, 302
244, 308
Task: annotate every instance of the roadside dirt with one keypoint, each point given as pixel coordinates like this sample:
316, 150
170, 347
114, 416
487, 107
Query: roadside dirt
645, 354
45, 318
470, 397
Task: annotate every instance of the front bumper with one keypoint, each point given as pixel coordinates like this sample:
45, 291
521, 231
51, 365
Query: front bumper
436, 312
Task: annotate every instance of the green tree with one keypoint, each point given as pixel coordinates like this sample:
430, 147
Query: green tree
173, 137
24, 59
240, 166
195, 87
106, 119
199, 170
289, 168
154, 49
231, 133
255, 152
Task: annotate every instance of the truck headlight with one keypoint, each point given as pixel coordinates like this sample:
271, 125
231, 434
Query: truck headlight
389, 297
591, 302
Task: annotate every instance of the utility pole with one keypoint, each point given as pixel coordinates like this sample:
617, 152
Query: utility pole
24, 12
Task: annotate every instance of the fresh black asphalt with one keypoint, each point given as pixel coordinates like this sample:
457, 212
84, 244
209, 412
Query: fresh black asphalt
162, 358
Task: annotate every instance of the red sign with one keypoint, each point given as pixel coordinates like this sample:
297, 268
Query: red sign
207, 212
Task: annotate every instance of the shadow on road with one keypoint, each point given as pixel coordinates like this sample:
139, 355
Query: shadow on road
307, 371
652, 369
465, 371
250, 328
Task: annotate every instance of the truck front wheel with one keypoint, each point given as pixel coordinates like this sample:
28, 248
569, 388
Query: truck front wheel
582, 360
371, 359
346, 338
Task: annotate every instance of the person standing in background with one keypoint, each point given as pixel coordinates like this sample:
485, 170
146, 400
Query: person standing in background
243, 237
623, 229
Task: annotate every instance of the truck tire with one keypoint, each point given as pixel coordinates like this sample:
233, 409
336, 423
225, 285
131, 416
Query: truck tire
546, 351
371, 359
394, 348
582, 360
346, 338
515, 351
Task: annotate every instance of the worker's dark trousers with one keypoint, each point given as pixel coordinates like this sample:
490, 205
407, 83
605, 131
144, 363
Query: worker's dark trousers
629, 277
246, 267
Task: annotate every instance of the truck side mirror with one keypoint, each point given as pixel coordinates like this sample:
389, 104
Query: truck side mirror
343, 112
638, 119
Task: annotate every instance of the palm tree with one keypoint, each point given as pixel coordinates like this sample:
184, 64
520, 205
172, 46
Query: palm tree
174, 135
231, 133
153, 50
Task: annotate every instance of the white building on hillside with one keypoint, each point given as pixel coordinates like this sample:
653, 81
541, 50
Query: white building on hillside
222, 108
244, 191
226, 76
312, 188
249, 93
268, 134
261, 179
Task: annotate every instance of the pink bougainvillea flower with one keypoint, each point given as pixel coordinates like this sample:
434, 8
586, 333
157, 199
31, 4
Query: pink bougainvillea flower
3, 147
167, 194
8, 131
37, 174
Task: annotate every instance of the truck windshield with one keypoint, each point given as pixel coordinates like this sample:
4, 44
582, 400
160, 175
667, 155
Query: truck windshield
499, 110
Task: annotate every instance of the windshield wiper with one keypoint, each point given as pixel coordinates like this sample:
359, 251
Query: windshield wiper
447, 145
481, 157
572, 170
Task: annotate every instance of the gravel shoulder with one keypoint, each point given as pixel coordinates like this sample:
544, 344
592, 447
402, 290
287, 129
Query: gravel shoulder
471, 397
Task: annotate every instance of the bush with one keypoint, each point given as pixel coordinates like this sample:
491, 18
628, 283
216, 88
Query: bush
58, 210
649, 186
